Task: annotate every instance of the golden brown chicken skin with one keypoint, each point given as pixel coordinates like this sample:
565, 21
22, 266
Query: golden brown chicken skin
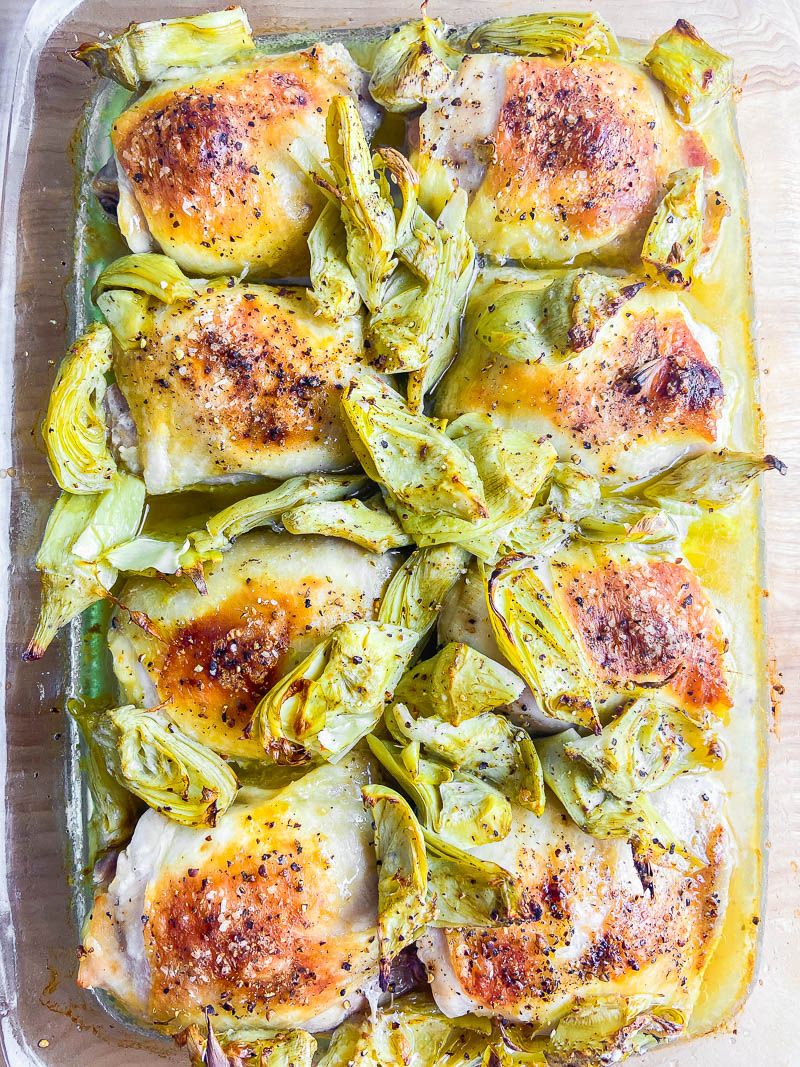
242, 380
205, 161
561, 159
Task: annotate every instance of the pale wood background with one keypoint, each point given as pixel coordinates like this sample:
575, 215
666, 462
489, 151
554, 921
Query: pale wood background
764, 37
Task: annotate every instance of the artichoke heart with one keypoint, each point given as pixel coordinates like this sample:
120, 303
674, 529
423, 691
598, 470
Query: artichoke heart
457, 684
149, 273
487, 746
567, 35
335, 696
535, 637
74, 428
412, 66
422, 469
364, 523
333, 288
146, 51
166, 768
695, 76
80, 530
607, 1030
705, 483
647, 746
674, 240
415, 594
249, 1045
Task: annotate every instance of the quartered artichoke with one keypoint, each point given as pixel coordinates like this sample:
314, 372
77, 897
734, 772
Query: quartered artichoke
148, 273
536, 638
567, 35
336, 695
79, 532
414, 596
696, 77
412, 65
74, 428
368, 523
168, 770
249, 1046
147, 50
457, 684
333, 288
674, 240
705, 483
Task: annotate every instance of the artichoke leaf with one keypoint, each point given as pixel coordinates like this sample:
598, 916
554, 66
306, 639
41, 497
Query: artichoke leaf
368, 218
146, 51
407, 453
674, 240
150, 273
707, 482
414, 596
365, 524
333, 289
249, 1046
74, 428
487, 746
567, 35
696, 78
538, 533
115, 810
457, 684
128, 314
412, 65
167, 769
607, 1030
572, 494
80, 530
645, 748
335, 696
403, 907
616, 520
537, 640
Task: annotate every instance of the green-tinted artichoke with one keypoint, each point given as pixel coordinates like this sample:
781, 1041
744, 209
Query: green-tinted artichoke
336, 695
367, 524
563, 34
411, 66
74, 427
457, 684
249, 1047
485, 745
695, 76
615, 520
422, 469
80, 530
333, 288
536, 638
414, 596
606, 1030
115, 809
128, 314
147, 50
571, 494
674, 240
168, 770
705, 483
146, 272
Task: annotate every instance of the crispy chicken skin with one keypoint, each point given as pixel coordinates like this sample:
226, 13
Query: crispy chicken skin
638, 620
593, 930
647, 391
560, 159
269, 917
204, 161
270, 599
243, 380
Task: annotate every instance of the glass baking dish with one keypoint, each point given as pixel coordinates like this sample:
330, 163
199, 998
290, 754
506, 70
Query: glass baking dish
44, 1017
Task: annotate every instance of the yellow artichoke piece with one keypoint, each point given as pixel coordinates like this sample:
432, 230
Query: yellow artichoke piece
148, 554
422, 469
607, 1030
335, 696
412, 66
536, 638
645, 748
333, 291
115, 810
550, 318
80, 530
368, 218
695, 76
414, 596
485, 745
168, 770
457, 684
147, 50
512, 466
251, 1046
567, 35
615, 520
149, 273
705, 483
74, 427
128, 315
538, 532
366, 524
572, 494
403, 907
674, 240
